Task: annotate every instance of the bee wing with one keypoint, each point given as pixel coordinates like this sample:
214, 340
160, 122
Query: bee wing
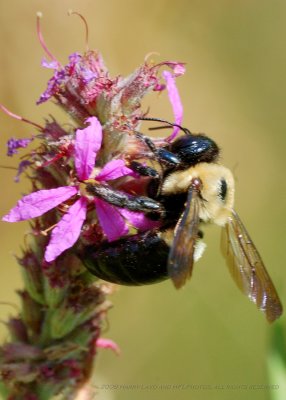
247, 268
181, 256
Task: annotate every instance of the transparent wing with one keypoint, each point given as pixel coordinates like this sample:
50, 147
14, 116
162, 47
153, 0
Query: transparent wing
247, 268
181, 256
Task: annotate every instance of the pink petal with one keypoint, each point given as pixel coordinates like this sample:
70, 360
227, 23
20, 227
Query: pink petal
108, 344
111, 221
37, 203
159, 87
114, 169
139, 220
175, 102
87, 143
177, 67
67, 230
50, 64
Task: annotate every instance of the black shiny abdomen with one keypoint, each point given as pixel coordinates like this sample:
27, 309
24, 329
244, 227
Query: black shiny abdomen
138, 260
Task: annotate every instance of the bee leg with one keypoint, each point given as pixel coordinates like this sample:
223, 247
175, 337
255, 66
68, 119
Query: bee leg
154, 186
144, 170
120, 199
163, 157
166, 159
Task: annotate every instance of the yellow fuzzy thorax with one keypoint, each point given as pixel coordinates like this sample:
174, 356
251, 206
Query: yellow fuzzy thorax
212, 207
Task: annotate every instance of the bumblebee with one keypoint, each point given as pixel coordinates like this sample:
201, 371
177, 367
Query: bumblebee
192, 189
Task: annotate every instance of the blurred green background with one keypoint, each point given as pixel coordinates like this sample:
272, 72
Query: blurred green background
235, 91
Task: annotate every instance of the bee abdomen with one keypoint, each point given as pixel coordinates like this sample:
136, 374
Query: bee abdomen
138, 260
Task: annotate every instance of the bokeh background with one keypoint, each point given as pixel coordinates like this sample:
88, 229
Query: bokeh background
235, 91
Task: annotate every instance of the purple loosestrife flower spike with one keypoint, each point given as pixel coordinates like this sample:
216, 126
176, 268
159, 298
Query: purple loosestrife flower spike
53, 341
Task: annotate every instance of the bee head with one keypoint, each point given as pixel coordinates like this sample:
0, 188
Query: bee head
193, 149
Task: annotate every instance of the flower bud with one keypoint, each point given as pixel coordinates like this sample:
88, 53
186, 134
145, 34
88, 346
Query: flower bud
32, 276
18, 330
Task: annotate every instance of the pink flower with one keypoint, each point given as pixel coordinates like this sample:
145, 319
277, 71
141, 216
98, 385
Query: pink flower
175, 101
112, 219
85, 86
79, 69
14, 144
23, 165
108, 344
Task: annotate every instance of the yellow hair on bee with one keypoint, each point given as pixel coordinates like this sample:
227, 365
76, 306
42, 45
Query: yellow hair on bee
213, 206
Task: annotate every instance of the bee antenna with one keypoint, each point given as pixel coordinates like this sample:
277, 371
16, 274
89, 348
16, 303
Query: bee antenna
170, 124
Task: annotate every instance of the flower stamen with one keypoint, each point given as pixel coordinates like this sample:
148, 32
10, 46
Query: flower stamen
71, 12
11, 114
42, 41
46, 231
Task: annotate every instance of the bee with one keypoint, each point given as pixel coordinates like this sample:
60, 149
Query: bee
192, 190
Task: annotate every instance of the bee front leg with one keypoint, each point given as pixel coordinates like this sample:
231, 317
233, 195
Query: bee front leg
163, 156
144, 170
117, 198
